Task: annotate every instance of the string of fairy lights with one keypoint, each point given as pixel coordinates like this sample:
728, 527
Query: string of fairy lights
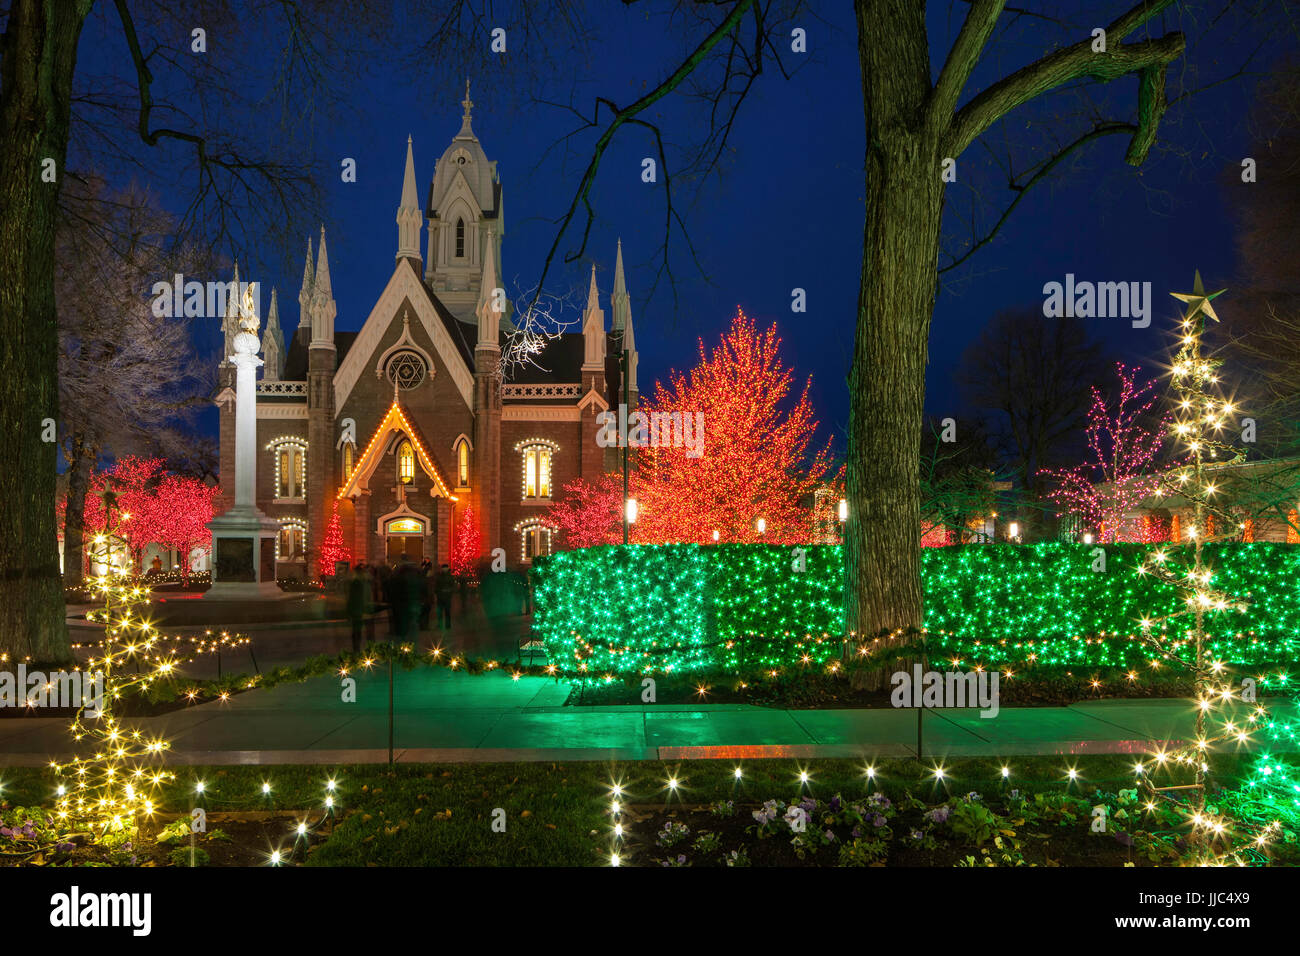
116, 784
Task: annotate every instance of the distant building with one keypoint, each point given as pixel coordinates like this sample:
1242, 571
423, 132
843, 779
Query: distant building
406, 423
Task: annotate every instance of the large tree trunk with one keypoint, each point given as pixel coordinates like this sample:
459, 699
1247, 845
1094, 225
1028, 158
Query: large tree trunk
81, 459
904, 205
38, 53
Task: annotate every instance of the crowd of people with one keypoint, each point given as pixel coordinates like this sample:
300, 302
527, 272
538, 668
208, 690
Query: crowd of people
420, 597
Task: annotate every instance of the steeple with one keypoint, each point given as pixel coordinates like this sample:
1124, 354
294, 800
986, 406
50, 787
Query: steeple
491, 308
593, 328
323, 308
304, 293
622, 307
409, 216
273, 343
230, 321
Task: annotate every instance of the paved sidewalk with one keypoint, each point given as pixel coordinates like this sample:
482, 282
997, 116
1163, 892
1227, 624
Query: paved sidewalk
445, 716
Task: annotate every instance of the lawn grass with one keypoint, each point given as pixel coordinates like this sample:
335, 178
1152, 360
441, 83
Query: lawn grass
557, 814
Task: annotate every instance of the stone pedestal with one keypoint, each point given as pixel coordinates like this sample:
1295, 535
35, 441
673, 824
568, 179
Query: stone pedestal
243, 556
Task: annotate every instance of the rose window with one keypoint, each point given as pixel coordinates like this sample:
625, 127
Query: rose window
406, 370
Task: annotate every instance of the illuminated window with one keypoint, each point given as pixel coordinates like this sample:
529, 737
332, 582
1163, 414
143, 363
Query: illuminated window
460, 238
349, 459
537, 471
536, 541
290, 544
405, 462
405, 526
290, 468
462, 463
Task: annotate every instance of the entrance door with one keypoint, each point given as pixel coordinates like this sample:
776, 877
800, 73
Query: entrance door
411, 545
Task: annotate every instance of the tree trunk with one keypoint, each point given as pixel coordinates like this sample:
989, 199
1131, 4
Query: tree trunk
81, 459
38, 53
904, 205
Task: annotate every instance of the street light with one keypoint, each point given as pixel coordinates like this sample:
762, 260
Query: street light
1087, 538
631, 511
1014, 530
715, 535
844, 511
762, 525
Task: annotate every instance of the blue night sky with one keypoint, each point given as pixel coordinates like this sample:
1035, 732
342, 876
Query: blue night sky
786, 209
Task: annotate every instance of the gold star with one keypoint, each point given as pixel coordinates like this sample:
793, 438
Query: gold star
1197, 300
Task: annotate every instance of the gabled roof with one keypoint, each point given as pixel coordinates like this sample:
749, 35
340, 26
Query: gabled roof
394, 422
448, 339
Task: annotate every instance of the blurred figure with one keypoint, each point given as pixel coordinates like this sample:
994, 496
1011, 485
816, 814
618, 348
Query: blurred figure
444, 587
426, 592
359, 602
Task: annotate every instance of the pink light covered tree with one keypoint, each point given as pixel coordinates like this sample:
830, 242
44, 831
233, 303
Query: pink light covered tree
1120, 472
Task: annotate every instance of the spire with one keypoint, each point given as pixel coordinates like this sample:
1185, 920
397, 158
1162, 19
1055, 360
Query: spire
593, 328
489, 300
273, 343
465, 131
622, 307
323, 308
323, 268
304, 293
409, 217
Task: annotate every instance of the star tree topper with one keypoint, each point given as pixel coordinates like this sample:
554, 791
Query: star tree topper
1198, 300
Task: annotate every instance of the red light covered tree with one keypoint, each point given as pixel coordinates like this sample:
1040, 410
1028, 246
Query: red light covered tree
132, 481
182, 508
466, 546
1123, 443
722, 447
332, 548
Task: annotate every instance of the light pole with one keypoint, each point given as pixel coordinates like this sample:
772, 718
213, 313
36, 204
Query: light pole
628, 505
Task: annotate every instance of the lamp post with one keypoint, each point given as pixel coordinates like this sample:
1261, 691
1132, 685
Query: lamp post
629, 505
629, 518
761, 525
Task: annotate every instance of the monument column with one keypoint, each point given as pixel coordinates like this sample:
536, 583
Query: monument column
243, 539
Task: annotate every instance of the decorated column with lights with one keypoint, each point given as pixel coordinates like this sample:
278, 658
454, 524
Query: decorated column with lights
243, 539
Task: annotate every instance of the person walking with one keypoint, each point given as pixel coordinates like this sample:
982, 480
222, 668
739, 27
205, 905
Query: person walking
426, 593
358, 603
444, 588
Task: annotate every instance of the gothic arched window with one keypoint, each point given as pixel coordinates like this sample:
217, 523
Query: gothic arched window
290, 544
462, 464
460, 238
349, 459
405, 463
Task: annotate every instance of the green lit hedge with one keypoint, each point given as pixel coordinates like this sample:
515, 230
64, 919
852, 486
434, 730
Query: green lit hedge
738, 608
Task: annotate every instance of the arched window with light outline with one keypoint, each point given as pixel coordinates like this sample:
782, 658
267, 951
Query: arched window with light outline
290, 455
534, 539
291, 542
537, 458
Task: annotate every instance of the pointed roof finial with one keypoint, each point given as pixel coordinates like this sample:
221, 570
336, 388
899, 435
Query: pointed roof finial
593, 297
323, 267
468, 104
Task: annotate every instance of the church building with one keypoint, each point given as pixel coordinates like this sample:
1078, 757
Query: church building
408, 423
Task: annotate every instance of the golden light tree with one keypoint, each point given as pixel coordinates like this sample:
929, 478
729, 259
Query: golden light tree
1200, 416
112, 782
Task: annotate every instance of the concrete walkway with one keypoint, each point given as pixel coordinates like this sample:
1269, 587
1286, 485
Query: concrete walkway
446, 716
